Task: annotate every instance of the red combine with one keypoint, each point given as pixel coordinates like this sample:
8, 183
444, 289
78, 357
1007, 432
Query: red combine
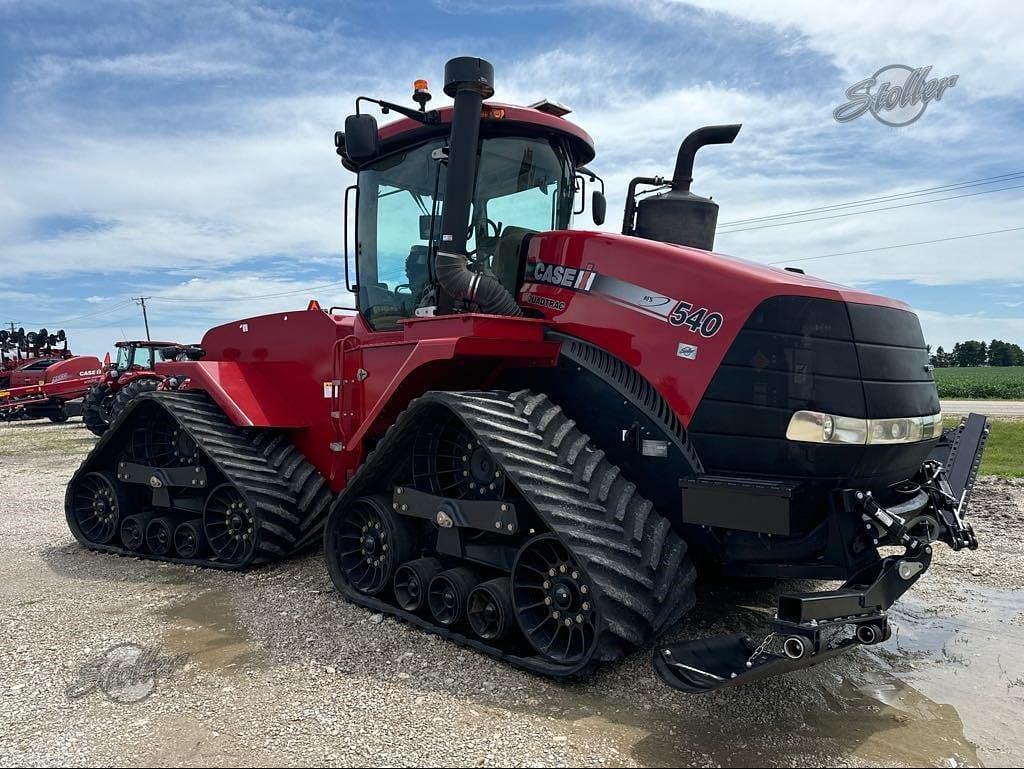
525, 437
133, 373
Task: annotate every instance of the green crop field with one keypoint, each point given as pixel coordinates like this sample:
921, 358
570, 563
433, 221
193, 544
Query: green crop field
1004, 451
986, 383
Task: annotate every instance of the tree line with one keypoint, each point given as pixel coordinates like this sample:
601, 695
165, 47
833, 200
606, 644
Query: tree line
975, 353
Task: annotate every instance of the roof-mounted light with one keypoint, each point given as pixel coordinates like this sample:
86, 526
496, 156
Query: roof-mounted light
551, 107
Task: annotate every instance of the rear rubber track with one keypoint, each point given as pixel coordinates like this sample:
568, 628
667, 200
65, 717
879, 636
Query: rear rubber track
641, 569
288, 498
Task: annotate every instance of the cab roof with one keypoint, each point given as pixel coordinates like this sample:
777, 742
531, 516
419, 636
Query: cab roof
502, 117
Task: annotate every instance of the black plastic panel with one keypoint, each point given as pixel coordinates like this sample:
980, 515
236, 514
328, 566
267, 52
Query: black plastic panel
799, 353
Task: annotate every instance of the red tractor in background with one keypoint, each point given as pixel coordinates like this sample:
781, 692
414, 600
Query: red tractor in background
132, 373
527, 438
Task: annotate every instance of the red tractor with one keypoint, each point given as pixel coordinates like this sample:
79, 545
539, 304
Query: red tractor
525, 437
133, 373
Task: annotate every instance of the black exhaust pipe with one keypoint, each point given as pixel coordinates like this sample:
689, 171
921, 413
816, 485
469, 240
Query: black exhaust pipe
468, 80
711, 134
678, 216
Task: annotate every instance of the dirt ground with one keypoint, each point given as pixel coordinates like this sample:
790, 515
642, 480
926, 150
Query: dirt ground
278, 671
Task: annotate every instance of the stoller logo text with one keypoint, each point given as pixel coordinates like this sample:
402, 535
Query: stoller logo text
895, 95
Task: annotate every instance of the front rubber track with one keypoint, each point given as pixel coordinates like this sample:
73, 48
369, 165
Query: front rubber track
288, 497
643, 575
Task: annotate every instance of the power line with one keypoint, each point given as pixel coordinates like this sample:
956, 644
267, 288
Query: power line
66, 321
247, 298
873, 210
895, 196
898, 245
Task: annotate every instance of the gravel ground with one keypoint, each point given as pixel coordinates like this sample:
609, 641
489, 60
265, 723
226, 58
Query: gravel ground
281, 672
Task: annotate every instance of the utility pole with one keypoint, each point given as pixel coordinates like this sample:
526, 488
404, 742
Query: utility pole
141, 301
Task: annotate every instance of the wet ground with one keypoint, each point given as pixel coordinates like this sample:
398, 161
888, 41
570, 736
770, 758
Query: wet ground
279, 672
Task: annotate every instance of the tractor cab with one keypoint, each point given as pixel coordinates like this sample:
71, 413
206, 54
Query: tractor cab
138, 356
528, 176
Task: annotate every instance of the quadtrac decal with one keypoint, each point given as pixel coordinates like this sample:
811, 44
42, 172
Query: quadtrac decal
675, 312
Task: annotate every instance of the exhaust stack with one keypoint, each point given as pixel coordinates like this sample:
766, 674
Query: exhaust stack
677, 215
468, 80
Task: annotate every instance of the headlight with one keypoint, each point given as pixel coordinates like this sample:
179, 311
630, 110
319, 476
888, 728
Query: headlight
816, 427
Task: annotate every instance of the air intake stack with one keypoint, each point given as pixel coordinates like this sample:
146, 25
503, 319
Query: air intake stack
677, 215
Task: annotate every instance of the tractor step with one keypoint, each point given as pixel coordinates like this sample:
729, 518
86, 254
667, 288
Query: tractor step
176, 457
633, 567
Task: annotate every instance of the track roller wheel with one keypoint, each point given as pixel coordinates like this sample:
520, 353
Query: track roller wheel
160, 536
490, 611
133, 531
554, 601
189, 540
229, 524
97, 507
412, 581
449, 593
368, 543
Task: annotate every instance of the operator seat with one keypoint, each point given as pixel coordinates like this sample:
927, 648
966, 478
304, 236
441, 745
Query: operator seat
509, 262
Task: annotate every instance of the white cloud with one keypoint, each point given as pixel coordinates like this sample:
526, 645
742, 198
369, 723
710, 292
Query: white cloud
979, 41
944, 330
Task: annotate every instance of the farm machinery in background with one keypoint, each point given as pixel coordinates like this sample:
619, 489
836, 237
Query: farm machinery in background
18, 348
132, 373
40, 380
527, 438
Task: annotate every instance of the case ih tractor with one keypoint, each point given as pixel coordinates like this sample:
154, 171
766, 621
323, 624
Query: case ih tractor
527, 437
133, 372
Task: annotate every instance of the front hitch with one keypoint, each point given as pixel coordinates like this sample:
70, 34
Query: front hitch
811, 627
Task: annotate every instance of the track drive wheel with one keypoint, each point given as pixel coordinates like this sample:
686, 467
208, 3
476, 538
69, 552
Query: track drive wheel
96, 408
366, 545
229, 525
97, 505
554, 602
60, 416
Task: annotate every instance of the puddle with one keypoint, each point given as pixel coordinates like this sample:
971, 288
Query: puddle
205, 628
972, 661
946, 690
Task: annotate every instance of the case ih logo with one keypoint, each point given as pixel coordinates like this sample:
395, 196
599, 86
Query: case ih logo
895, 95
566, 277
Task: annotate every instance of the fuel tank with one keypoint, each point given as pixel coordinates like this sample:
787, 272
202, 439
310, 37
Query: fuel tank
736, 348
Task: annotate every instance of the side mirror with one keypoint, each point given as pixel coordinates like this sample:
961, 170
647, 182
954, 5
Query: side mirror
361, 139
598, 207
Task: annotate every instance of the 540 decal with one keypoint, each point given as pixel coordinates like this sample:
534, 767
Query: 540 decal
699, 320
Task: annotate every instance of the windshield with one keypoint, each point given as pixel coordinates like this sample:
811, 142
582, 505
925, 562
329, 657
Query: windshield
134, 356
523, 185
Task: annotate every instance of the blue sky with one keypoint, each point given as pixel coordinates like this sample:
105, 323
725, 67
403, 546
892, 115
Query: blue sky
183, 151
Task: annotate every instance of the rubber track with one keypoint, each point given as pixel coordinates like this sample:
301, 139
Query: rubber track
287, 496
637, 561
